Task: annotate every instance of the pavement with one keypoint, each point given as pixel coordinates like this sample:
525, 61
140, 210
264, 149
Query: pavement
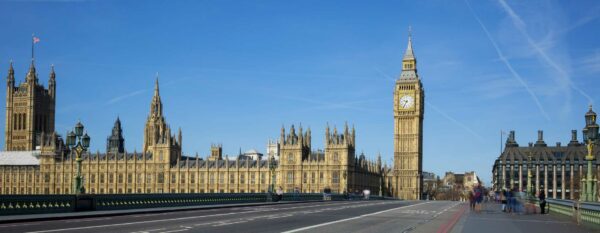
335, 216
491, 219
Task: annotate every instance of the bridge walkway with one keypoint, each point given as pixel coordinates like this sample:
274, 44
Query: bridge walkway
491, 219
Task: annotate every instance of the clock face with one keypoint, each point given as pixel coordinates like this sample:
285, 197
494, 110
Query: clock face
406, 101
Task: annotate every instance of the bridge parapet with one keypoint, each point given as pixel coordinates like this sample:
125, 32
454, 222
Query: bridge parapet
580, 211
41, 204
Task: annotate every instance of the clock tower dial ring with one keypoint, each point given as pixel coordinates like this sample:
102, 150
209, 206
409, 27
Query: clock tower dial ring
406, 101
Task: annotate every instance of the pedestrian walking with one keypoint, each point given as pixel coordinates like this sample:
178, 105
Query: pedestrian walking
471, 200
279, 193
542, 198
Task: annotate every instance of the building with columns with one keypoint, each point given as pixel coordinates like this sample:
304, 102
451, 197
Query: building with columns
556, 170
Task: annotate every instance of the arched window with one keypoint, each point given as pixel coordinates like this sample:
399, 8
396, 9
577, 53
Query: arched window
336, 157
290, 158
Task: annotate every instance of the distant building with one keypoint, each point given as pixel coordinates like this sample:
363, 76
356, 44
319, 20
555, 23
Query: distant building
430, 185
251, 154
556, 170
273, 149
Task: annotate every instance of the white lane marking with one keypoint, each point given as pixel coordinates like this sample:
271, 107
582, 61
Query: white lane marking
348, 219
182, 218
228, 223
149, 230
18, 225
86, 220
174, 231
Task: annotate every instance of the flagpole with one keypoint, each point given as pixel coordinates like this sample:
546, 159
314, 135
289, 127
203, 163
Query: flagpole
500, 141
32, 44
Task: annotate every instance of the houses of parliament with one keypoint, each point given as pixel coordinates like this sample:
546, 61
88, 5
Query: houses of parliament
36, 160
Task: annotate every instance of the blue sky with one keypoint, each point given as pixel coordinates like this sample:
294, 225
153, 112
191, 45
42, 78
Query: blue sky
233, 72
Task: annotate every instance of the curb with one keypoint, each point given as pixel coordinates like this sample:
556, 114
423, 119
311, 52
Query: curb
78, 215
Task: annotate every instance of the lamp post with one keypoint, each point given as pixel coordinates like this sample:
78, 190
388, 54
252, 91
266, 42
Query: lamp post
589, 188
530, 191
272, 171
78, 142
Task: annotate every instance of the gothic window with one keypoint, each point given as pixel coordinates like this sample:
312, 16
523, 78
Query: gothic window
193, 179
102, 178
139, 178
304, 177
149, 179
290, 177
336, 157
212, 178
242, 179
182, 178
120, 180
93, 180
262, 178
161, 178
313, 177
160, 156
232, 178
253, 178
221, 178
129, 178
290, 158
335, 177
173, 178
321, 177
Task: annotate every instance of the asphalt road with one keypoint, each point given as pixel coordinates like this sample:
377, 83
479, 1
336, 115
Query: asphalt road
357, 216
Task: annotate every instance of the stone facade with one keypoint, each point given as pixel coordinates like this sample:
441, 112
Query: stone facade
162, 168
29, 110
409, 108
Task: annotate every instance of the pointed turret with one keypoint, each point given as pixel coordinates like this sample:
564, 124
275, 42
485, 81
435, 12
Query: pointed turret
10, 79
282, 136
409, 62
327, 134
156, 105
31, 75
408, 54
52, 83
115, 143
179, 137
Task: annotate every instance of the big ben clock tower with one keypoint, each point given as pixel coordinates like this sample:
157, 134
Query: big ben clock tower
409, 103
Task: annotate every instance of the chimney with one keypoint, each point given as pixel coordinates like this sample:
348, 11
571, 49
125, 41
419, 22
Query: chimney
510, 141
574, 141
540, 142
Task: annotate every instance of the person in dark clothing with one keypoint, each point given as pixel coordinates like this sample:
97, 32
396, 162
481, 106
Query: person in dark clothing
542, 198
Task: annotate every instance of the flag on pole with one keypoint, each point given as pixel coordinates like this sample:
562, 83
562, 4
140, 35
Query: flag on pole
36, 40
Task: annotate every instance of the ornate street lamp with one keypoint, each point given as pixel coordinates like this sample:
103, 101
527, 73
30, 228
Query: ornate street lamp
272, 171
79, 142
530, 192
589, 189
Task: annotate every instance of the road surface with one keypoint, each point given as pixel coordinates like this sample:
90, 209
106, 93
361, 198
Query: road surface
342, 216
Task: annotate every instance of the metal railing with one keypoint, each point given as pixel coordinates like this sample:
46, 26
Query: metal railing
580, 211
38, 204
